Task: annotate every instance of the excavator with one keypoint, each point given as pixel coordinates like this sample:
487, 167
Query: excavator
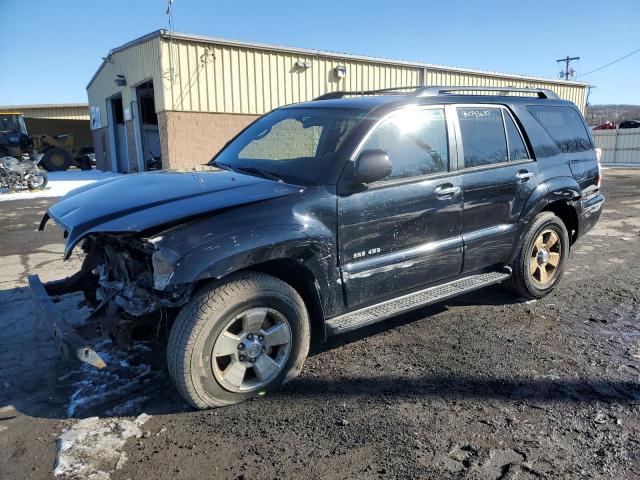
59, 151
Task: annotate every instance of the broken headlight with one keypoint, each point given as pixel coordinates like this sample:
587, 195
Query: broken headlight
164, 261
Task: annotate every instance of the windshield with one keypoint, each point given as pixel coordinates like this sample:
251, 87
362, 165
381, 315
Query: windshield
12, 123
294, 144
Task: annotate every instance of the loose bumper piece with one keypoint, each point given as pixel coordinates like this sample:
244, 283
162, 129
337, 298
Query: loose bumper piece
68, 340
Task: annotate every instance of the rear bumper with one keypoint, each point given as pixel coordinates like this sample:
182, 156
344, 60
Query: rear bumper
69, 341
591, 209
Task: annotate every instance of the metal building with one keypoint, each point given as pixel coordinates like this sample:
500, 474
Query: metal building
56, 119
172, 100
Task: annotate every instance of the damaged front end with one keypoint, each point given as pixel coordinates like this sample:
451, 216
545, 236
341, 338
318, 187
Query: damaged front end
125, 282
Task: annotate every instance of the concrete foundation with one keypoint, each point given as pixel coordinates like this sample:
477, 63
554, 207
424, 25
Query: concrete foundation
192, 138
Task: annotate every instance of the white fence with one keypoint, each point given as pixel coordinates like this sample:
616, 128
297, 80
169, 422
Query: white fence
619, 147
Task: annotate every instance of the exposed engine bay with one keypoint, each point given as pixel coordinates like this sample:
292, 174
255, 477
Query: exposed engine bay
118, 282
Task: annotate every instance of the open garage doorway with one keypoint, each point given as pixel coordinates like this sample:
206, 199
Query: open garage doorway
149, 126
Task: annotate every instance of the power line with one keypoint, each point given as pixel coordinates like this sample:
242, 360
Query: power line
611, 63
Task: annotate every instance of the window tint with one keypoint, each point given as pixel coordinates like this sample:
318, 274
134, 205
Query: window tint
564, 126
517, 149
416, 141
483, 138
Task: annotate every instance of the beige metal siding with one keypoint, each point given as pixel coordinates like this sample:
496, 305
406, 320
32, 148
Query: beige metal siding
228, 79
52, 112
436, 76
138, 64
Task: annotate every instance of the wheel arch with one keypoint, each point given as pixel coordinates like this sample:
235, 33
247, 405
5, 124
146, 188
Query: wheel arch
303, 280
568, 214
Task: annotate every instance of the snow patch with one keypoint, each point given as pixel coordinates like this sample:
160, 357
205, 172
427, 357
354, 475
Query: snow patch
60, 183
92, 448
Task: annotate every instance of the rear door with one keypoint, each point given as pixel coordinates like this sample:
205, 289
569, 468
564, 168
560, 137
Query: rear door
404, 231
498, 175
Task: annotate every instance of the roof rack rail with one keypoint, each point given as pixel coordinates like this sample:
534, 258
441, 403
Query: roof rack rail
340, 94
421, 91
432, 91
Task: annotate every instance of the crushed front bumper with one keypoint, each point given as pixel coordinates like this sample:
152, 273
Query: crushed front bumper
70, 342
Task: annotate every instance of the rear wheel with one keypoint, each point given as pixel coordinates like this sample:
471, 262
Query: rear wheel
238, 339
56, 159
38, 180
541, 261
84, 163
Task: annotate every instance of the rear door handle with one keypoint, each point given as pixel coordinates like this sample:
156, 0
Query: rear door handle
446, 190
524, 175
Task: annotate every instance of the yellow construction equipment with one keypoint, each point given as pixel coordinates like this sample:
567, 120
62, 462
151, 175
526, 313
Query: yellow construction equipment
59, 151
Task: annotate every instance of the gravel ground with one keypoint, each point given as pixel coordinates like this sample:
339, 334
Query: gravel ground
480, 387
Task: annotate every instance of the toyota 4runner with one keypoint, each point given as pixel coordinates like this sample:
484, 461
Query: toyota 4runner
322, 217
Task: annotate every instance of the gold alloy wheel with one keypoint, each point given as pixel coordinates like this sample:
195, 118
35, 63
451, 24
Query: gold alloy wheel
545, 257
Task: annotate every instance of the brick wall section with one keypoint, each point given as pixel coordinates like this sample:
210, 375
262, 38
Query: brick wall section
101, 146
192, 138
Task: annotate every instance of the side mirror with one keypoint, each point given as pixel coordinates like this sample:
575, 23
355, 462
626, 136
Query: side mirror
371, 166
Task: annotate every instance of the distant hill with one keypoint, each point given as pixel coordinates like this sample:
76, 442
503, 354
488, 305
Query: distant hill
598, 114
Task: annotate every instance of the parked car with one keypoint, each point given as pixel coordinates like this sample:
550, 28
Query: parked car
605, 126
323, 217
629, 124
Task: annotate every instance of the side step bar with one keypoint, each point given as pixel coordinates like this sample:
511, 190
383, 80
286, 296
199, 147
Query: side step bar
390, 308
71, 344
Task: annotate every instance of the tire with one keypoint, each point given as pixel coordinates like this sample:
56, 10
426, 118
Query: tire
84, 163
56, 159
195, 359
41, 184
528, 279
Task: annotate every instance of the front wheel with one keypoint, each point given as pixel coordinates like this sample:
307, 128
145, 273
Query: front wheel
541, 260
238, 339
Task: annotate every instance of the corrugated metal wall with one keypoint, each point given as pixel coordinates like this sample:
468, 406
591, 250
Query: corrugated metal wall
138, 64
197, 75
618, 146
228, 79
211, 77
53, 112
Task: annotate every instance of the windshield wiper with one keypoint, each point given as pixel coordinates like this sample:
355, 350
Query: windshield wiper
259, 171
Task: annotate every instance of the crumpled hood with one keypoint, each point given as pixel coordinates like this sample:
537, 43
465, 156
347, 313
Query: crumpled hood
136, 202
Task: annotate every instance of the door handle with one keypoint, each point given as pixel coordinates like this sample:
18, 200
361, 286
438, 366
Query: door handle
446, 191
524, 175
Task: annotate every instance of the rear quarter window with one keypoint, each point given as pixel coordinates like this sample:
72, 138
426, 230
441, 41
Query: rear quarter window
565, 127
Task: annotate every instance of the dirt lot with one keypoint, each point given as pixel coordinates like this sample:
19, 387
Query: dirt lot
481, 387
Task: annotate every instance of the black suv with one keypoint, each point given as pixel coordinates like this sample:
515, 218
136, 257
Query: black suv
323, 217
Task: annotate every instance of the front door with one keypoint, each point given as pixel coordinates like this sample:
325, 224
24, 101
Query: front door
403, 232
498, 175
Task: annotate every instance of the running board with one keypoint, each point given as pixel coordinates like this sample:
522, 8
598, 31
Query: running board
381, 311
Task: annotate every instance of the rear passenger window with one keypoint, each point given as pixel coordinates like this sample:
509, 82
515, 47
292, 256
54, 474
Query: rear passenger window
416, 141
483, 139
564, 125
517, 149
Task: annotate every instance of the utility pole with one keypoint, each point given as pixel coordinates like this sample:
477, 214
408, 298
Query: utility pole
568, 72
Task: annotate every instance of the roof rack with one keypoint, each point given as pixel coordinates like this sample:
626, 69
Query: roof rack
380, 91
432, 91
420, 91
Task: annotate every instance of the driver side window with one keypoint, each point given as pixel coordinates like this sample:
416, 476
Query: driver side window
416, 141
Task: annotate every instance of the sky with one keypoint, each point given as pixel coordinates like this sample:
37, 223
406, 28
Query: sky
49, 50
